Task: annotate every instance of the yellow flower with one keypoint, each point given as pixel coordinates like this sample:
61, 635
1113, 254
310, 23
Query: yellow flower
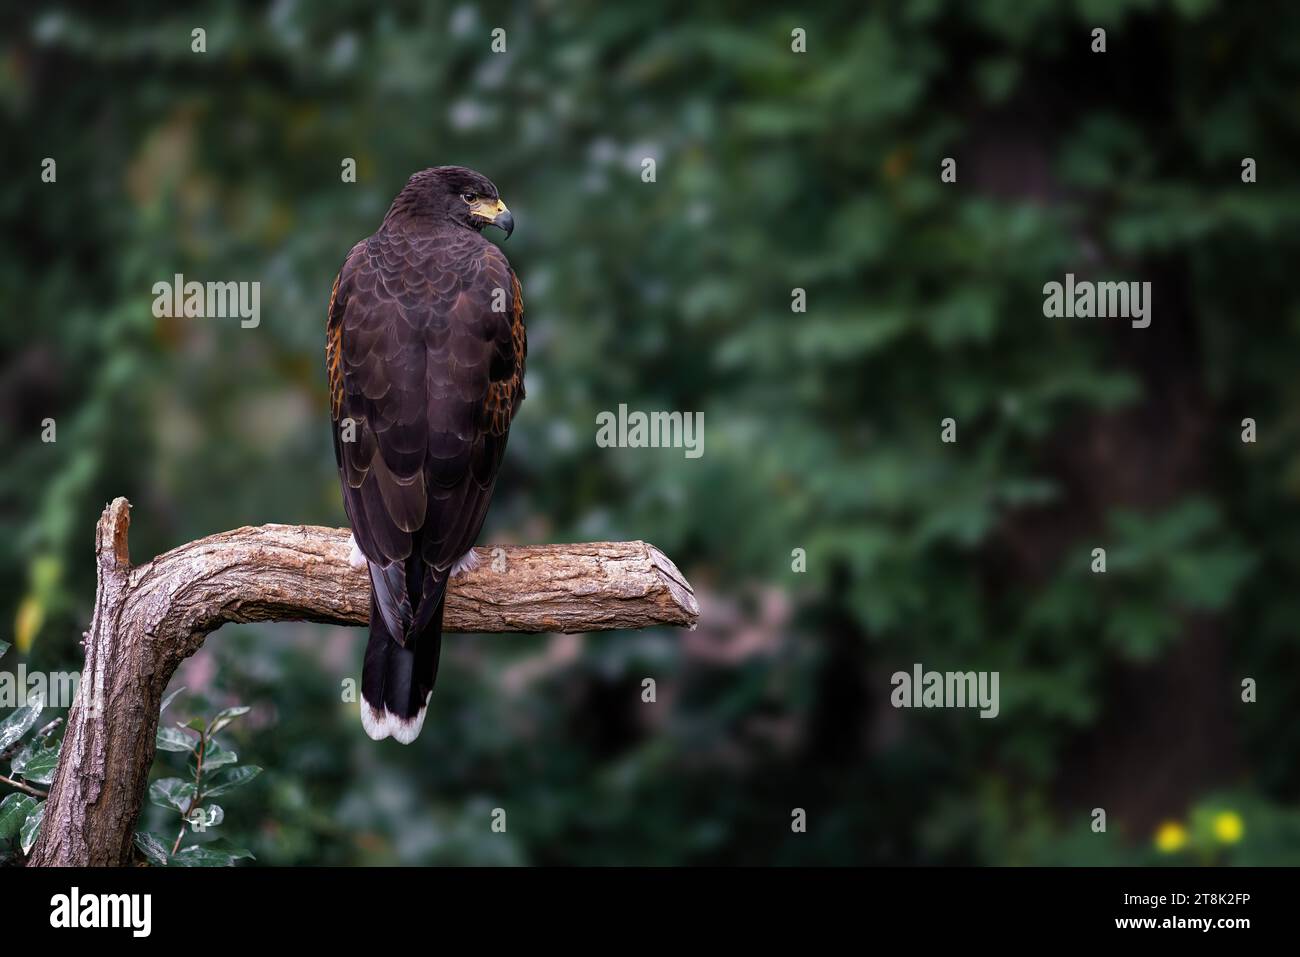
1228, 827
1171, 837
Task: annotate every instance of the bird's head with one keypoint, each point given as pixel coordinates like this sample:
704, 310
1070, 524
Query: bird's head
455, 194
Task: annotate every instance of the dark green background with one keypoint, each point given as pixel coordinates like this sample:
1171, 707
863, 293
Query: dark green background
775, 170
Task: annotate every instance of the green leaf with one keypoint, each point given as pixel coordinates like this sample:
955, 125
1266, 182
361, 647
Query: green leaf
172, 792
40, 767
216, 854
13, 812
174, 739
20, 722
194, 724
224, 718
4, 646
31, 828
232, 778
152, 848
224, 846
21, 758
215, 756
170, 698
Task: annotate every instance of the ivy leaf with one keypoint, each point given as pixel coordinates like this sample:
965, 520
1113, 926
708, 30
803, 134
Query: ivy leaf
174, 739
232, 778
20, 722
13, 812
40, 767
151, 848
31, 828
170, 698
172, 792
224, 718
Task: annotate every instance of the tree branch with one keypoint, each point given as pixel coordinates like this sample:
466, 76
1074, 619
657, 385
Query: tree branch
149, 618
21, 786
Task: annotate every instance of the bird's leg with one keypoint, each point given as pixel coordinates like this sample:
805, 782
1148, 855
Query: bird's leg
356, 558
466, 563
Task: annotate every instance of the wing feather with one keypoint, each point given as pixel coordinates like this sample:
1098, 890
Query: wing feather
425, 374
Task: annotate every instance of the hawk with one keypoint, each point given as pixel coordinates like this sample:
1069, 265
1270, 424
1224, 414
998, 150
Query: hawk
425, 351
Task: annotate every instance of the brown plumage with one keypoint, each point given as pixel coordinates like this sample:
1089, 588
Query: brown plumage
425, 350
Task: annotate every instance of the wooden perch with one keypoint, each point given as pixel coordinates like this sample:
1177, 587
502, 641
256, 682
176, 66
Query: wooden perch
149, 618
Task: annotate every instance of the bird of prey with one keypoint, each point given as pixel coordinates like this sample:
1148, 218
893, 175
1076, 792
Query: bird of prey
425, 352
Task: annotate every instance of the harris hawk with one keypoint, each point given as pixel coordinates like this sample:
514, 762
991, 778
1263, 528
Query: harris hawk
425, 351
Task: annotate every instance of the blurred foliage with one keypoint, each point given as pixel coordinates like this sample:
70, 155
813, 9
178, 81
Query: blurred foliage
775, 170
212, 771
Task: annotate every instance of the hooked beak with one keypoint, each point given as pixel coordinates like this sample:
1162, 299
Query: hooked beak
494, 214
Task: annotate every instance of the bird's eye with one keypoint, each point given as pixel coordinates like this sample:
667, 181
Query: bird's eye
469, 197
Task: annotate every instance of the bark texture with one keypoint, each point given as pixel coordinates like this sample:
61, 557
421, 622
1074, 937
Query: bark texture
149, 618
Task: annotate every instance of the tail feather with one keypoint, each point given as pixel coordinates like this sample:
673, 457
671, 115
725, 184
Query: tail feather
397, 678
